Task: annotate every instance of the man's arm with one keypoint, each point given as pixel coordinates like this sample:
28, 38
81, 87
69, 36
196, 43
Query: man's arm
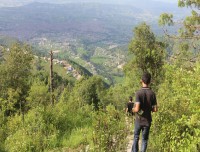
136, 107
154, 105
126, 110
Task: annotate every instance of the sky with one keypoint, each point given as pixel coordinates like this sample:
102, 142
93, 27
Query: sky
121, 1
11, 3
168, 1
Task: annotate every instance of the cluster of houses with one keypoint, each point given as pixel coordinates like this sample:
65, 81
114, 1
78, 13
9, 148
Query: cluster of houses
69, 69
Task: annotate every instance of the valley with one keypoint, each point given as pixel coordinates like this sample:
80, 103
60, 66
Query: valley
92, 34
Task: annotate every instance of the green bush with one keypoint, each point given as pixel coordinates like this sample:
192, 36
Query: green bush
79, 137
176, 126
110, 130
33, 134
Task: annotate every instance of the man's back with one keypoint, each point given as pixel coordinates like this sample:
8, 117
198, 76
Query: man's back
147, 99
145, 104
130, 107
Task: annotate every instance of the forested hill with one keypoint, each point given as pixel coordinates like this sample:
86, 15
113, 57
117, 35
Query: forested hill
46, 111
95, 22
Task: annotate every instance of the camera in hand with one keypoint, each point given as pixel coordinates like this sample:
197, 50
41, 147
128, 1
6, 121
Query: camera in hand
140, 112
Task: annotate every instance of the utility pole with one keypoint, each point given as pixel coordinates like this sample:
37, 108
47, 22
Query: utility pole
51, 77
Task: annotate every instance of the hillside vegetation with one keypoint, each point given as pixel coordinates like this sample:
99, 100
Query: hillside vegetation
87, 114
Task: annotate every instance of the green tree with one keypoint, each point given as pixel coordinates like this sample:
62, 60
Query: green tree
38, 64
176, 125
38, 94
15, 73
182, 56
148, 52
189, 31
88, 91
190, 28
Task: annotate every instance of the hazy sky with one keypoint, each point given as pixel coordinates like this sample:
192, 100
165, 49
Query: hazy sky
136, 2
16, 1
170, 1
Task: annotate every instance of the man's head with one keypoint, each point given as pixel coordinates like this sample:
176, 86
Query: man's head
130, 98
146, 78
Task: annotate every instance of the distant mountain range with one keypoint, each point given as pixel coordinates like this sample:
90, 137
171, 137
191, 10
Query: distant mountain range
89, 21
15, 3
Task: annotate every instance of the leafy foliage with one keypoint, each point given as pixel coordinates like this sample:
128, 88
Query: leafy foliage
183, 3
148, 52
109, 130
176, 126
166, 19
15, 74
190, 25
38, 94
88, 91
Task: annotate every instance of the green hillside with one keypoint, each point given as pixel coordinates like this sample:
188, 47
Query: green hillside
81, 105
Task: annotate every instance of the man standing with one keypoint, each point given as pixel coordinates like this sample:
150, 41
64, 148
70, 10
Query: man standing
145, 104
129, 107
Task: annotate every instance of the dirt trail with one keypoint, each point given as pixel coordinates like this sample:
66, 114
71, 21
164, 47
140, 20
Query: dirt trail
130, 143
130, 135
129, 123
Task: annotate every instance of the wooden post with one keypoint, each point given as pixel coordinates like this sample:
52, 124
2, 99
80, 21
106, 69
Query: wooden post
51, 77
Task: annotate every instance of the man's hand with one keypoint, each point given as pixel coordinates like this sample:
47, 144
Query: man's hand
154, 108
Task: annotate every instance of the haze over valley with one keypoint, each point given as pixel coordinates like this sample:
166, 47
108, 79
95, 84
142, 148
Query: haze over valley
94, 34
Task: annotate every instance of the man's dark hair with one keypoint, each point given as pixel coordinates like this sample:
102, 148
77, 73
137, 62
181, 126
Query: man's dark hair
146, 78
130, 98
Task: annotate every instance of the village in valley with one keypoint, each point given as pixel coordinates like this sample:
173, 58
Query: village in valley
66, 66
